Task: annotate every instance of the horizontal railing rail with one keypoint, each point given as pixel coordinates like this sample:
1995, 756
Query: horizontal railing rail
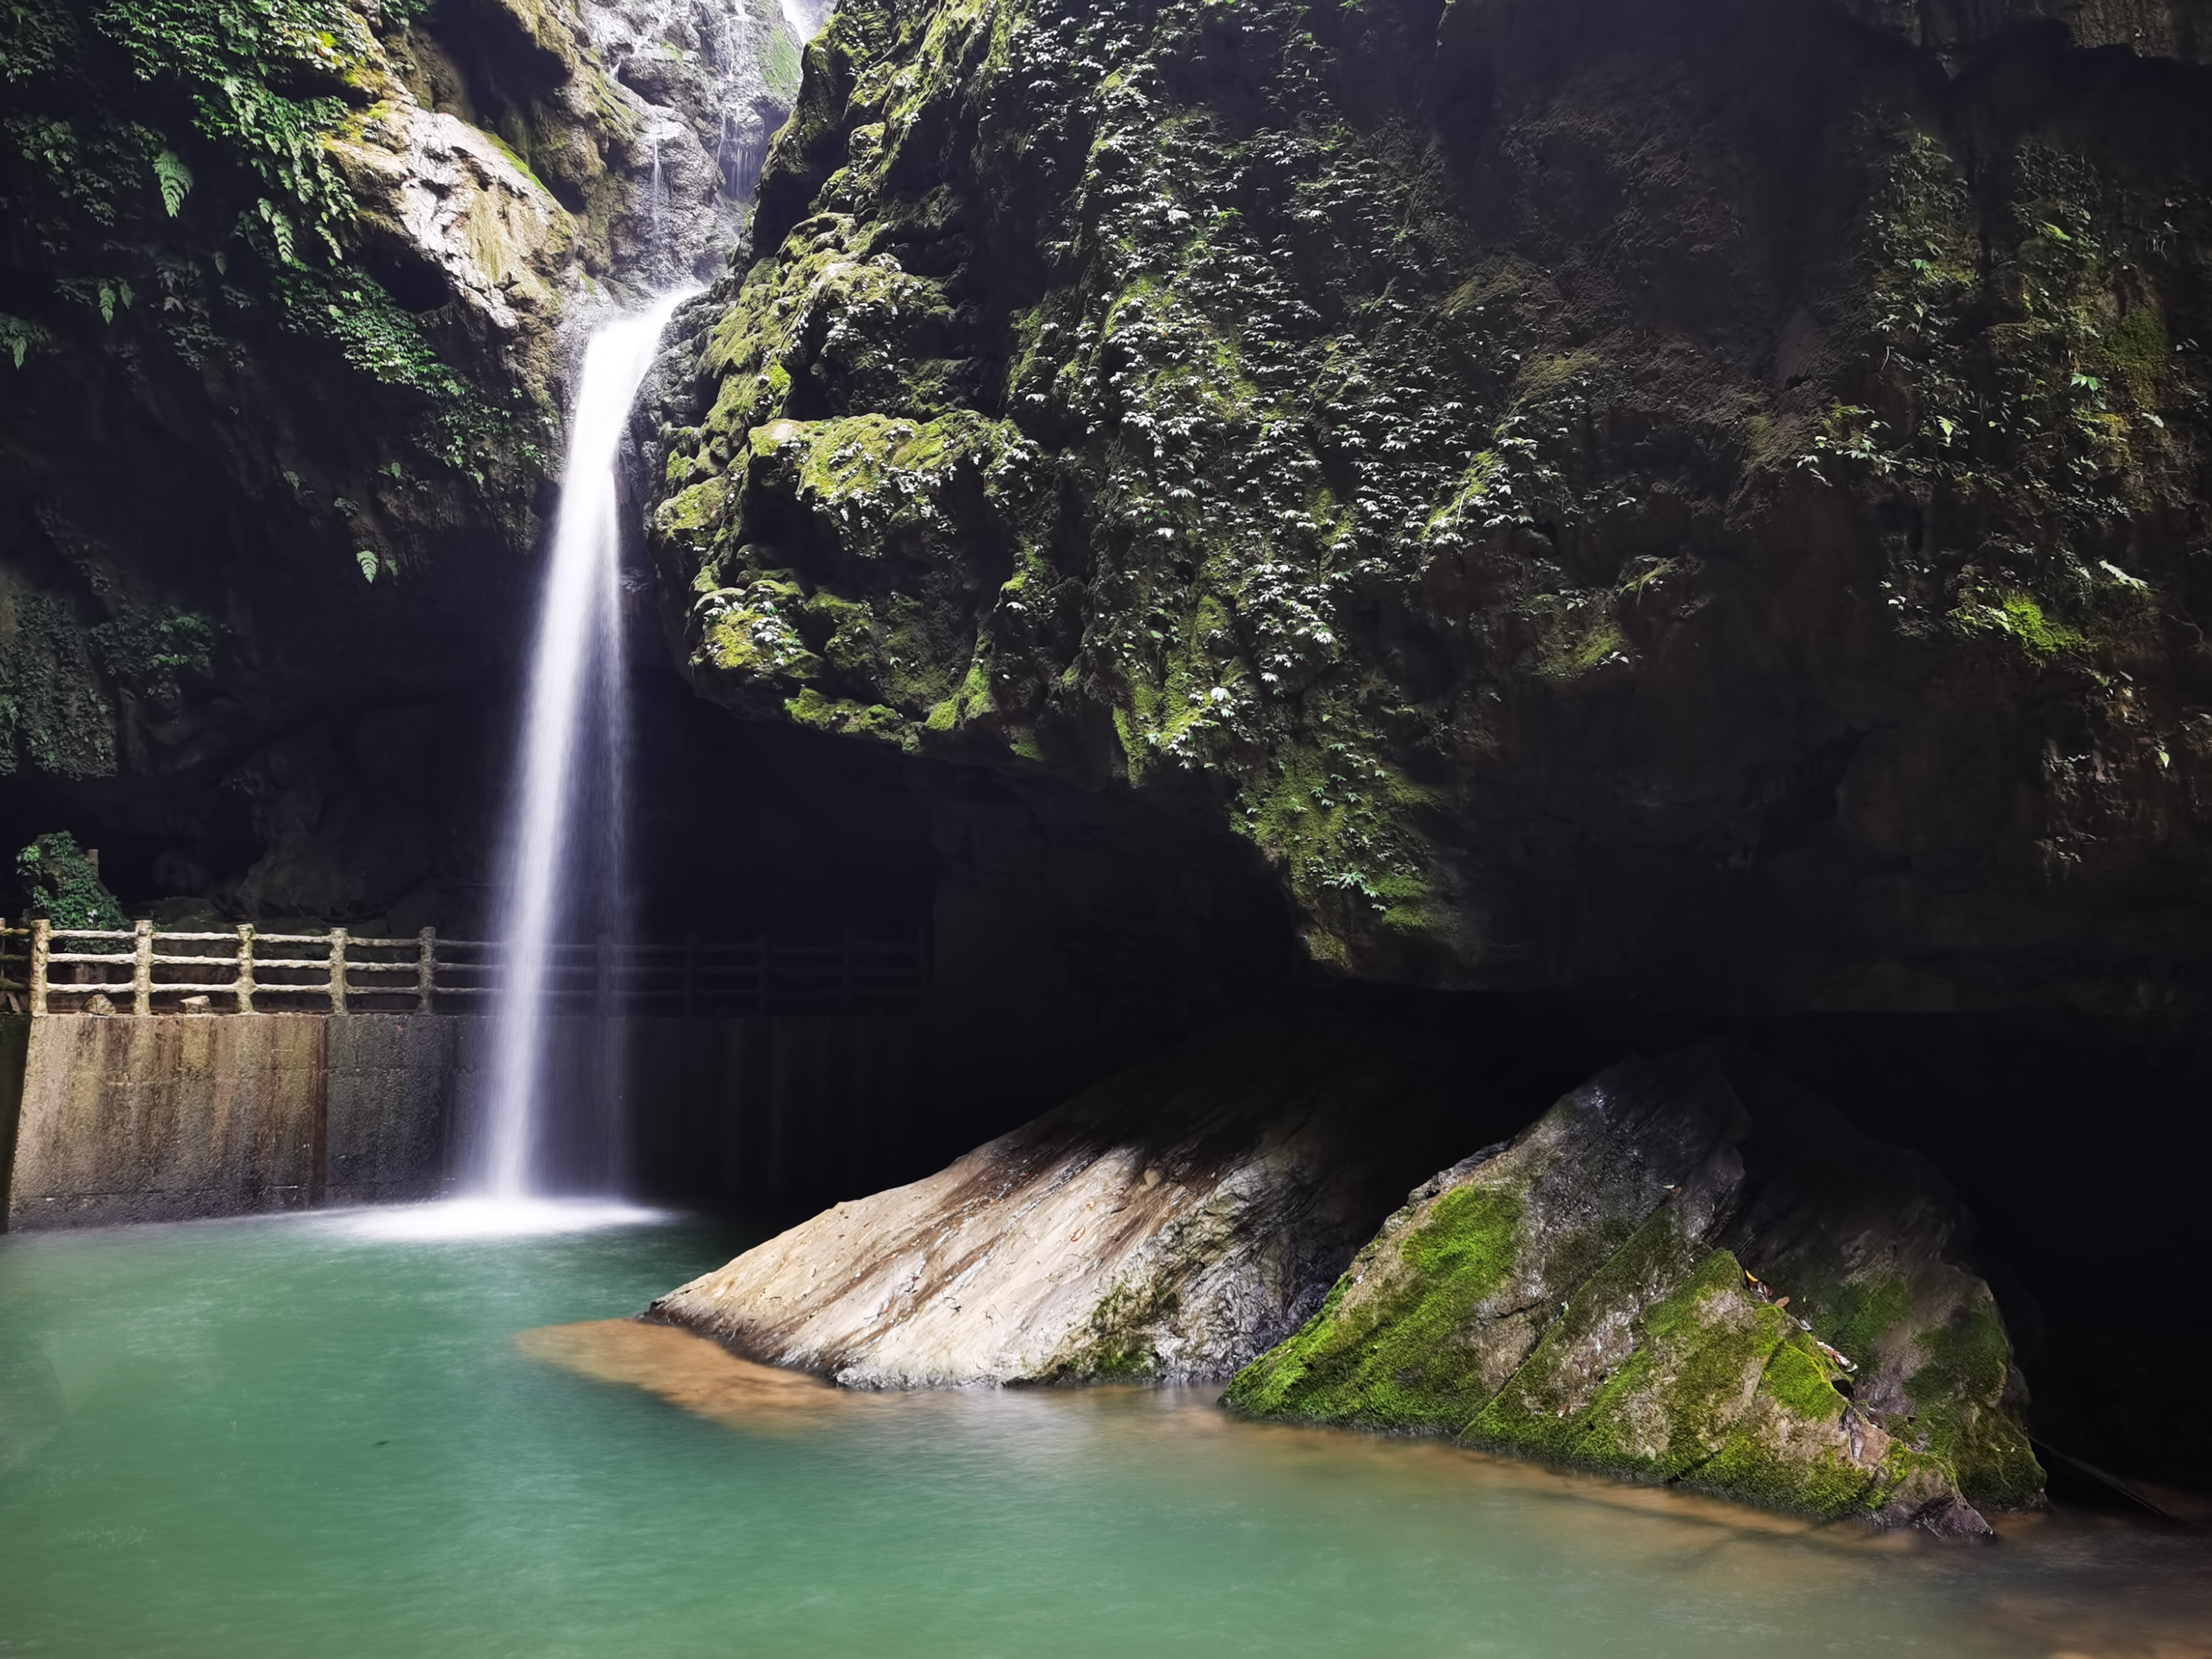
54, 969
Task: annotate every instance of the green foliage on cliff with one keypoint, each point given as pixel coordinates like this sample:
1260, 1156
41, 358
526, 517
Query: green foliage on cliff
229, 60
175, 153
255, 82
63, 886
183, 275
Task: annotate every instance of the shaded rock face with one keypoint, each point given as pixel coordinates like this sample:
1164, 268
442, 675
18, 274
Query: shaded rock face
289, 303
1704, 498
1168, 1225
1655, 1281
716, 78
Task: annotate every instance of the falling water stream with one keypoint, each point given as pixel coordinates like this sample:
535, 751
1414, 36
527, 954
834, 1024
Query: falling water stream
563, 845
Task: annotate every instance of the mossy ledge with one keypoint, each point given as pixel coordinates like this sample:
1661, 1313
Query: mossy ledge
1254, 407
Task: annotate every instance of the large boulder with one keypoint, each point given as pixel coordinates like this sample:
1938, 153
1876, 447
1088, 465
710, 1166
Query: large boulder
1674, 1278
1170, 1224
1687, 1271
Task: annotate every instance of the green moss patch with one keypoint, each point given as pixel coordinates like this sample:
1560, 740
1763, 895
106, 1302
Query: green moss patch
1403, 1353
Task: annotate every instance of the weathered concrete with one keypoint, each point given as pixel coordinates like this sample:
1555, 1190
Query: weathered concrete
394, 1086
169, 1116
173, 1116
15, 1043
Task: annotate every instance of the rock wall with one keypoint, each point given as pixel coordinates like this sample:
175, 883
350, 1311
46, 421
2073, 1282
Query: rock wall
291, 294
1703, 500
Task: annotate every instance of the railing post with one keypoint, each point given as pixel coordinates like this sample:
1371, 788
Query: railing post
426, 969
244, 989
141, 967
603, 986
337, 970
690, 975
42, 942
845, 971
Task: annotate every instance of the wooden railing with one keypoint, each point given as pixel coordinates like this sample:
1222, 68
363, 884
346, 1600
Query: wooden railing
144, 970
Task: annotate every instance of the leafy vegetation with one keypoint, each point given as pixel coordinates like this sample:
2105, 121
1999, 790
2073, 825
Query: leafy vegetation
62, 885
177, 150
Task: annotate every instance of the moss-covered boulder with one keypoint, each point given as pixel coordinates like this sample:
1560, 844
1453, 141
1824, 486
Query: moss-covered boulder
1697, 497
1670, 1278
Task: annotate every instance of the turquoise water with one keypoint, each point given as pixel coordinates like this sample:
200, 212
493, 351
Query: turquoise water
298, 1437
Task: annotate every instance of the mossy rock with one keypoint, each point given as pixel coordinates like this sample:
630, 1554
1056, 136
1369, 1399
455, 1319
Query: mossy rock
1456, 523
1579, 1296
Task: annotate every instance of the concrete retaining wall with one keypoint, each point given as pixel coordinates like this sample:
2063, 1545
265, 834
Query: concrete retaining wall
177, 1115
173, 1116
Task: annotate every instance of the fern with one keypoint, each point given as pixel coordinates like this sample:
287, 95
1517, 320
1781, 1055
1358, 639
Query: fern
17, 337
230, 59
175, 179
280, 228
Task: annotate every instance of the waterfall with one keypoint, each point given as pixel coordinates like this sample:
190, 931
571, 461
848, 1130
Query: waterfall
563, 847
656, 209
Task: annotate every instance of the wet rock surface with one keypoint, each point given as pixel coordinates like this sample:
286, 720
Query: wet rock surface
1675, 1277
1702, 500
1168, 1225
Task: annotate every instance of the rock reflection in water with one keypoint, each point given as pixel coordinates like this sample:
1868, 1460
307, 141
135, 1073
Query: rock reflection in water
2062, 1585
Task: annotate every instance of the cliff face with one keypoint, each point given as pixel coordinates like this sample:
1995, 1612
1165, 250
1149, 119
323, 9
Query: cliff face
286, 313
1702, 498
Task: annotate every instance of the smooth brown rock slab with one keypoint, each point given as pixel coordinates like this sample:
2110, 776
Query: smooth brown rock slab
1172, 1223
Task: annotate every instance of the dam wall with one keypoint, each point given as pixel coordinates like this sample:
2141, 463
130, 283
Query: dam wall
165, 1117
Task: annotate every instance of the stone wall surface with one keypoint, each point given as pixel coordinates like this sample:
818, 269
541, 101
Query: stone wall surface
777, 1109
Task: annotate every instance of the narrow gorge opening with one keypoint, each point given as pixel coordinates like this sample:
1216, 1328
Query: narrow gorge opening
1242, 721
